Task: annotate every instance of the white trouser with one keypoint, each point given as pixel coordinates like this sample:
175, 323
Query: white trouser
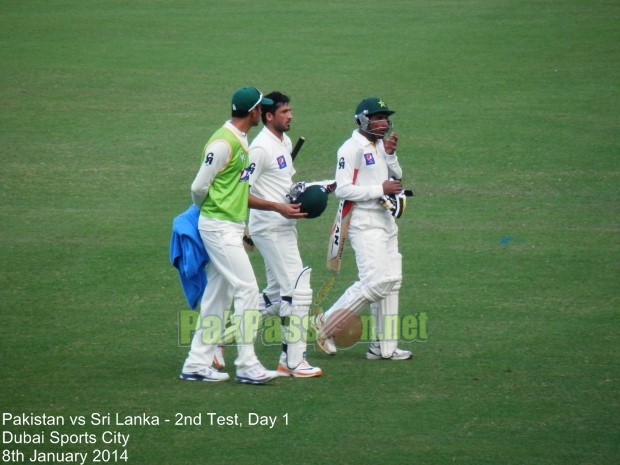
230, 279
279, 249
269, 301
373, 235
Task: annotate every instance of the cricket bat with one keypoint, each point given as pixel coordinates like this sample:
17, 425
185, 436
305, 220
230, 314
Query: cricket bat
338, 236
297, 147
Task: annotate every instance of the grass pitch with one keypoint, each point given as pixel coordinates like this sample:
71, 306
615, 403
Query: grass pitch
508, 119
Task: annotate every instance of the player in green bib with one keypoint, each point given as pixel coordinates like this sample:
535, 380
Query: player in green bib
228, 192
220, 190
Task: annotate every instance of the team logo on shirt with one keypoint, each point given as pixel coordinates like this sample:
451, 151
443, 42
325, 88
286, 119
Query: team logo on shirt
369, 159
341, 163
281, 162
245, 173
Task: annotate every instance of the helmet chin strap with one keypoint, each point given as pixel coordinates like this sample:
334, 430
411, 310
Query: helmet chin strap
365, 123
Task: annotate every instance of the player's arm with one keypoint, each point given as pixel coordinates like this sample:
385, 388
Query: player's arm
389, 147
215, 157
287, 210
257, 157
346, 172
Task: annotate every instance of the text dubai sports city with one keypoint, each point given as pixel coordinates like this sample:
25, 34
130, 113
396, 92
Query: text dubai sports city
55, 437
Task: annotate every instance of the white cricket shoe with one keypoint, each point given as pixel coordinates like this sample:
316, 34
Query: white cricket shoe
206, 374
374, 353
218, 358
326, 344
256, 374
303, 370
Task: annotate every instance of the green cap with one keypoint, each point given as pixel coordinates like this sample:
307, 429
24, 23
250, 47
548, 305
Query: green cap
247, 98
372, 106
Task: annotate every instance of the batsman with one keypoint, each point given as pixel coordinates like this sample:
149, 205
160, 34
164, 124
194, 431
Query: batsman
368, 180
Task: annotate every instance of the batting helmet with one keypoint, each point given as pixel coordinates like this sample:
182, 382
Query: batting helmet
368, 107
372, 106
313, 201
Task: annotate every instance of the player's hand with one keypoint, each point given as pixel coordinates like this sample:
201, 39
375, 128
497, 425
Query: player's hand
291, 211
390, 143
392, 187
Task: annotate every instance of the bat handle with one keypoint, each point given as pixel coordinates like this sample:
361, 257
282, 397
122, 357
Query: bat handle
297, 147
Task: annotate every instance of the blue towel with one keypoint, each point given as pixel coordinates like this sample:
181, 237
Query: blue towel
188, 255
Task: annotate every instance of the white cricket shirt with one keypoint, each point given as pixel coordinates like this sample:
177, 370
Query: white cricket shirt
362, 168
271, 177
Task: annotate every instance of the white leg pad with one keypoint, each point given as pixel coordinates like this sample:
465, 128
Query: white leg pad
351, 304
378, 290
296, 335
388, 325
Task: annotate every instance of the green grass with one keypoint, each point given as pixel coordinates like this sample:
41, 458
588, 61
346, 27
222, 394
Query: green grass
508, 115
